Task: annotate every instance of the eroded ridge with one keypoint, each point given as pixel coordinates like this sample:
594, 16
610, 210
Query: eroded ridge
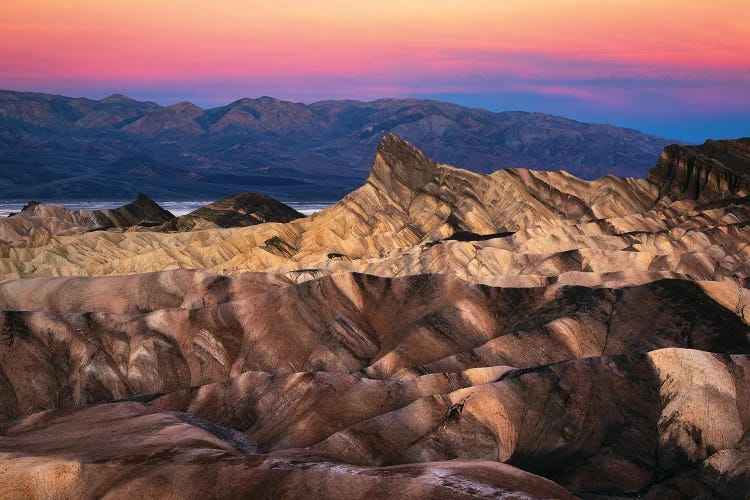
438, 333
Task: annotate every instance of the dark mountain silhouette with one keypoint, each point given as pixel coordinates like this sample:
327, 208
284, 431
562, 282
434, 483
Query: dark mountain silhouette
56, 147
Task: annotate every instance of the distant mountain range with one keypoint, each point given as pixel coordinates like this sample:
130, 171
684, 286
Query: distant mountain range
61, 148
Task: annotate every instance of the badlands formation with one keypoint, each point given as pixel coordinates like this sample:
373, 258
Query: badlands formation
37, 219
436, 334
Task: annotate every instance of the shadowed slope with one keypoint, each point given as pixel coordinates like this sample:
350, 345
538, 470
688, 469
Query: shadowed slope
514, 325
714, 170
213, 328
188, 457
601, 425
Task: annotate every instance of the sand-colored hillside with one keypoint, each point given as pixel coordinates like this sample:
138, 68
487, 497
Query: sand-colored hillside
437, 334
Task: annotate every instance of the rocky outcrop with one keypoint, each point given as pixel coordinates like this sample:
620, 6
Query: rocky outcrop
142, 211
38, 219
162, 332
240, 210
438, 332
713, 171
612, 426
402, 221
188, 456
378, 373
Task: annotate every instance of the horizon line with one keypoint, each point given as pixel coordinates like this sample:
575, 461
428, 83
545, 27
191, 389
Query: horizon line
118, 94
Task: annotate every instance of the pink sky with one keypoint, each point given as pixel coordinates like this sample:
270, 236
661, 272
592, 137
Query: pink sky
558, 50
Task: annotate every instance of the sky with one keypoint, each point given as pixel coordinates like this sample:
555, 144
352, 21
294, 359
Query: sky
679, 69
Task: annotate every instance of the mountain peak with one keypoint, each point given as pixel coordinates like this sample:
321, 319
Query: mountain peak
403, 151
400, 168
265, 100
143, 210
240, 102
330, 144
114, 98
186, 107
240, 210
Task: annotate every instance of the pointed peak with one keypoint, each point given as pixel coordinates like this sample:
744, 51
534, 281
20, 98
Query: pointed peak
398, 151
184, 104
400, 169
146, 209
392, 141
144, 201
186, 107
30, 205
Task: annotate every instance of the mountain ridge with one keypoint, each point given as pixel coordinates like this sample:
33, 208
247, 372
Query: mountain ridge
415, 214
36, 219
57, 147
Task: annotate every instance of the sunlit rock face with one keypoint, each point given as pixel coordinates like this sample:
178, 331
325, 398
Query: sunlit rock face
438, 332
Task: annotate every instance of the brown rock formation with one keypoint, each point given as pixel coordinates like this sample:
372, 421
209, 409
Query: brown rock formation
240, 210
37, 219
520, 334
584, 232
191, 457
715, 170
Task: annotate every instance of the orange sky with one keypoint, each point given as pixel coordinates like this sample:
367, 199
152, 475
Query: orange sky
136, 38
407, 47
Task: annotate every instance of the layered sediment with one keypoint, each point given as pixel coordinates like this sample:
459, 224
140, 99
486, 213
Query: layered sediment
438, 332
